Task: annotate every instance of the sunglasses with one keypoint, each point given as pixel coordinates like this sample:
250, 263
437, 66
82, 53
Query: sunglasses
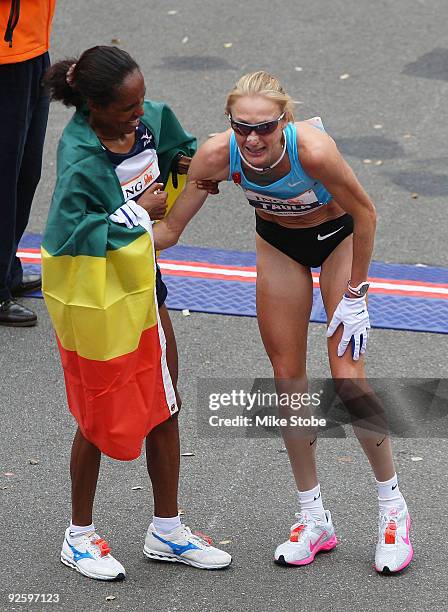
244, 129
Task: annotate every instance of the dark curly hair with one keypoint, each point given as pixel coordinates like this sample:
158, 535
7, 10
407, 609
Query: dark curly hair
97, 75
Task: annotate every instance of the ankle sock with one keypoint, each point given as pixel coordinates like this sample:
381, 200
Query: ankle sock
389, 495
77, 530
165, 525
311, 501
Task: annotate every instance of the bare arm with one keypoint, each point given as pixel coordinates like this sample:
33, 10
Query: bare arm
211, 162
322, 160
167, 231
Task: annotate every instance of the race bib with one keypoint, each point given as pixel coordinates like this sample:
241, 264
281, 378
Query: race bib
137, 173
298, 205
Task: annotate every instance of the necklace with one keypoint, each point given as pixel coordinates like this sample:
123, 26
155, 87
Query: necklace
268, 167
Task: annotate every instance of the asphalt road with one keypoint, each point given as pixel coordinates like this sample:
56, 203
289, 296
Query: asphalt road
241, 490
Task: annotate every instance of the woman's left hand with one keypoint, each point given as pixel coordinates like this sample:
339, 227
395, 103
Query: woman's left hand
353, 314
208, 185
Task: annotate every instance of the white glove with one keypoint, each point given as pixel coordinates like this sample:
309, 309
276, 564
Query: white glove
132, 214
352, 313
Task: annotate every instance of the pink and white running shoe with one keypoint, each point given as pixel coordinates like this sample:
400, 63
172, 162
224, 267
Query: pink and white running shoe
309, 536
394, 550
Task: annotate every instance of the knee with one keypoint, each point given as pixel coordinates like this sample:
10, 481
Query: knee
164, 430
346, 367
290, 379
345, 371
284, 369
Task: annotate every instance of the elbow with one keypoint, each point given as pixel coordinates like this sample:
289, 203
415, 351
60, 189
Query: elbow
371, 215
166, 242
172, 242
173, 237
367, 216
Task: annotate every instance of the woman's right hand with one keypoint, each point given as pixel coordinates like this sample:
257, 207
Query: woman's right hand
154, 201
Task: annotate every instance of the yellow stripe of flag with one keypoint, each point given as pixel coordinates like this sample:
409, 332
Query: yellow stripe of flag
99, 306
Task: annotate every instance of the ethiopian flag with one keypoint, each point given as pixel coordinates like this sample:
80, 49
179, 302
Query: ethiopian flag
99, 288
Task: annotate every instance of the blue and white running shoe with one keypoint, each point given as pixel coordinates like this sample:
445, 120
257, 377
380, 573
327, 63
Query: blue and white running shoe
185, 547
90, 555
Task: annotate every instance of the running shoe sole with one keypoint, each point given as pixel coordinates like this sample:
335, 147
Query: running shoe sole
172, 558
19, 323
70, 563
324, 547
403, 566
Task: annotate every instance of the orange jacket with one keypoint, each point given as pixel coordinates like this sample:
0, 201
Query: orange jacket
25, 29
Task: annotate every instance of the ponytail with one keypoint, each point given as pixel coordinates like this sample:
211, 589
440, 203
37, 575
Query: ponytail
55, 82
95, 76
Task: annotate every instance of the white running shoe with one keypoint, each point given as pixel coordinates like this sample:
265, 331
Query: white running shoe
183, 546
309, 536
394, 550
90, 555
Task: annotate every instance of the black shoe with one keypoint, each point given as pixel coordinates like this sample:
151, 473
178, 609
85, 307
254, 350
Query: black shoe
30, 282
16, 315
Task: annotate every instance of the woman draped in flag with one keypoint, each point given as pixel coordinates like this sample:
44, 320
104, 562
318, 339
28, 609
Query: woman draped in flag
105, 296
310, 211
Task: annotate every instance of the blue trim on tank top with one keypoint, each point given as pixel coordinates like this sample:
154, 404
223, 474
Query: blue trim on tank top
297, 170
290, 133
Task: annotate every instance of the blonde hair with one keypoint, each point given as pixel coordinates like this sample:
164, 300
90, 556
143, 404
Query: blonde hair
261, 83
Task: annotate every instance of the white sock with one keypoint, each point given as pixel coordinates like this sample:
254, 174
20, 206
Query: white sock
311, 501
389, 495
165, 525
77, 530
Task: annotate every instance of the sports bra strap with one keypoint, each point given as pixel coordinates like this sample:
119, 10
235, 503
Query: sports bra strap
234, 158
290, 132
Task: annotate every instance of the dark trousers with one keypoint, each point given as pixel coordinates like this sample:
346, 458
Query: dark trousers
23, 121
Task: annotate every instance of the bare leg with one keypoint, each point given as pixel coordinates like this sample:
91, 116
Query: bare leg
333, 282
162, 444
284, 299
84, 469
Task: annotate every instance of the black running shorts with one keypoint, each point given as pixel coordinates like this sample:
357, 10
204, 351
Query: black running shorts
161, 289
308, 246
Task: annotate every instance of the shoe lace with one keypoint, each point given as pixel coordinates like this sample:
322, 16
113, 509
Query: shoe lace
103, 546
388, 526
197, 537
304, 524
98, 545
